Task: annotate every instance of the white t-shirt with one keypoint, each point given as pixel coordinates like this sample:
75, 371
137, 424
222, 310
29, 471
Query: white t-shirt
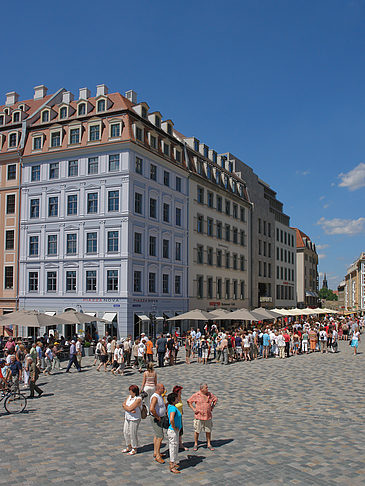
322, 335
137, 411
116, 354
246, 343
160, 405
141, 350
109, 348
280, 340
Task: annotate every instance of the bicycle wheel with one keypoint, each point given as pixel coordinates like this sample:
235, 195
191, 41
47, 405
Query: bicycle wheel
15, 403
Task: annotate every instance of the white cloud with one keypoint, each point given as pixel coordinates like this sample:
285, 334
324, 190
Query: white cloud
325, 206
355, 179
338, 226
303, 172
322, 247
321, 256
322, 197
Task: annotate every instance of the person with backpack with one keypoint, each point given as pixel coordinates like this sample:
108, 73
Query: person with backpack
132, 418
323, 340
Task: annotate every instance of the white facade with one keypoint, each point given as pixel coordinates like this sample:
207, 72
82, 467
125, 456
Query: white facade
90, 241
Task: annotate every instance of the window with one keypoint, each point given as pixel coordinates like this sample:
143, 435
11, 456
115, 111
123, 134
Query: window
72, 204
152, 282
74, 136
138, 203
9, 239
63, 112
260, 270
235, 211
228, 207
200, 254
200, 225
93, 165
91, 281
165, 248
219, 230
260, 245
200, 195
113, 163
165, 283
259, 225
153, 208
153, 245
234, 262
178, 216
45, 116
228, 232
209, 227
33, 245
113, 241
115, 130
209, 172
112, 281
265, 228
235, 235
82, 109
101, 105
55, 139
139, 165
178, 184
33, 281
219, 258
219, 204
166, 212
228, 288
242, 290
153, 142
11, 172
53, 206
235, 296
10, 204
177, 156
137, 281
35, 173
71, 243
157, 121
219, 288
51, 281
177, 284
113, 201
138, 242
153, 172
166, 148
92, 203
52, 245
209, 287
9, 277
200, 284
242, 214
13, 138
54, 170
227, 259
37, 143
34, 208
210, 256
73, 168
210, 199
166, 178
94, 133
71, 281
139, 133
269, 230
178, 251
2, 120
242, 263
91, 242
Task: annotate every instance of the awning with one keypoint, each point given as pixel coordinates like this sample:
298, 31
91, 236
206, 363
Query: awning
160, 318
93, 314
50, 313
143, 318
109, 316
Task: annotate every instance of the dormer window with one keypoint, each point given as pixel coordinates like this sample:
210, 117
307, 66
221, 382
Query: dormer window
16, 117
196, 145
158, 121
13, 139
169, 129
6, 111
22, 107
56, 139
94, 132
101, 105
82, 109
2, 120
144, 112
139, 133
63, 112
206, 152
45, 116
37, 143
115, 130
166, 148
215, 157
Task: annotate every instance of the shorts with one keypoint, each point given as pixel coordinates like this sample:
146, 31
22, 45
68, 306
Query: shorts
157, 430
230, 351
103, 358
239, 349
205, 353
203, 425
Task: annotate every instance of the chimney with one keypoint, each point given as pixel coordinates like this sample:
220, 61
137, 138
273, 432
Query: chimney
11, 98
84, 94
40, 92
101, 90
67, 97
131, 96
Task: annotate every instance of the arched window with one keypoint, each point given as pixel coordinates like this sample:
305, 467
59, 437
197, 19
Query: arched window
63, 112
82, 109
45, 116
16, 117
101, 105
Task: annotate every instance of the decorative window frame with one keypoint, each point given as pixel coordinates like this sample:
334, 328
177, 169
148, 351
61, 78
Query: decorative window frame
175, 151
17, 139
115, 121
95, 123
89, 107
107, 103
134, 128
55, 130
20, 116
71, 127
49, 115
38, 135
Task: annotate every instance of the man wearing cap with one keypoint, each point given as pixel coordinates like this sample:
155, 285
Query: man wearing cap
56, 360
73, 359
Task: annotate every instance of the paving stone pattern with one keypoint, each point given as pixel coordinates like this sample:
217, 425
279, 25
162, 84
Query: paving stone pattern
298, 421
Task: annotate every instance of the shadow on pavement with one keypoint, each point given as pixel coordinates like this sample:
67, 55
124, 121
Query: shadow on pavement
191, 461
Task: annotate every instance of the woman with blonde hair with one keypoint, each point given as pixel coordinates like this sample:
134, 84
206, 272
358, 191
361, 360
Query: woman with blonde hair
149, 382
132, 406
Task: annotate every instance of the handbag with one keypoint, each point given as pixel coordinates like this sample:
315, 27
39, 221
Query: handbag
144, 411
163, 422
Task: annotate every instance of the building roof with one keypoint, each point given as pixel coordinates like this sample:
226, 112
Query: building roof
303, 240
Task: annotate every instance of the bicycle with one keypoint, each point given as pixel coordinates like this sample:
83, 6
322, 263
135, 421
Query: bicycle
14, 402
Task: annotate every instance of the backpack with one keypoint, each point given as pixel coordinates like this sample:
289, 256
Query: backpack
144, 411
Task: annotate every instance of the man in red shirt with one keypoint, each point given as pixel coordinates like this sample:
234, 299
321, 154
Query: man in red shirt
202, 404
286, 337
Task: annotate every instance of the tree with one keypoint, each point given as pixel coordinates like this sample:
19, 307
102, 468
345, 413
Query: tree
327, 294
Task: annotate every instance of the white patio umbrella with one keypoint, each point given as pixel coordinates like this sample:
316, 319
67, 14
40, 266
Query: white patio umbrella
74, 317
242, 315
29, 318
282, 312
218, 313
318, 310
264, 314
193, 315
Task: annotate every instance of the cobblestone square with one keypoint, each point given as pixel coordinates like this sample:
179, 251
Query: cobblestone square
294, 421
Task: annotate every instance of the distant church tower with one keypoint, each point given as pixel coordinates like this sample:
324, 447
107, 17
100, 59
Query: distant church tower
324, 283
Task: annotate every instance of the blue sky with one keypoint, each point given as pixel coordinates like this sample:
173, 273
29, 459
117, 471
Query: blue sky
278, 83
